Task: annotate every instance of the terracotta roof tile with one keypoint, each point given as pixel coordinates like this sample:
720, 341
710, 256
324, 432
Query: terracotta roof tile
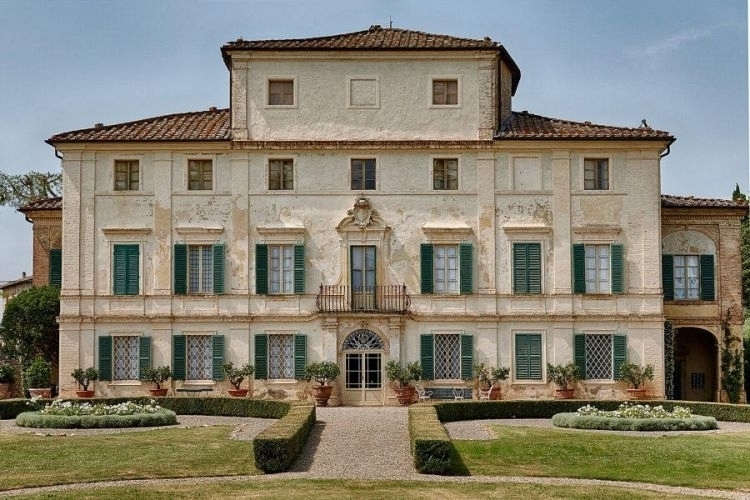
211, 125
669, 201
43, 204
525, 125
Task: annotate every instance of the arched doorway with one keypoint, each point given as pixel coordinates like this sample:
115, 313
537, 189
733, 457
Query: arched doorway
363, 368
695, 356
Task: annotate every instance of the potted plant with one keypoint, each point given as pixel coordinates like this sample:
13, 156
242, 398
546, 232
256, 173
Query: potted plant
563, 376
497, 375
84, 378
37, 377
322, 372
636, 375
404, 375
158, 376
6, 379
236, 375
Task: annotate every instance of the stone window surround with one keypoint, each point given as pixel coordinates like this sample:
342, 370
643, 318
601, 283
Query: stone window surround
124, 235
592, 155
127, 158
267, 173
432, 172
266, 89
459, 91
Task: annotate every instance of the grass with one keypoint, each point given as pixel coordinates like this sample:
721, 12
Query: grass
28, 460
701, 461
301, 489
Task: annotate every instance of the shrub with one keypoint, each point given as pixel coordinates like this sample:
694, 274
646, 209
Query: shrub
322, 372
404, 374
635, 374
38, 373
576, 421
37, 420
6, 373
431, 447
276, 448
85, 377
237, 374
563, 375
157, 375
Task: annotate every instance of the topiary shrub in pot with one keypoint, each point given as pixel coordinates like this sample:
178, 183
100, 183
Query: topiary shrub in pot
6, 379
322, 372
38, 377
404, 375
563, 376
236, 375
84, 378
158, 376
636, 375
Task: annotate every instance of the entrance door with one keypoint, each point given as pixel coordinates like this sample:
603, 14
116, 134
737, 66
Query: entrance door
363, 277
363, 368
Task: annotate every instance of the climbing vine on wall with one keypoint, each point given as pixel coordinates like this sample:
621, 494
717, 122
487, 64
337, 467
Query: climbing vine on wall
669, 360
732, 369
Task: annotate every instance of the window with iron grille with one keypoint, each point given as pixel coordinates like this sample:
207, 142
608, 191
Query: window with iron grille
687, 282
281, 268
281, 92
199, 357
446, 279
447, 356
281, 356
363, 174
697, 381
445, 174
200, 175
445, 92
280, 175
127, 175
599, 356
596, 174
597, 269
125, 357
200, 269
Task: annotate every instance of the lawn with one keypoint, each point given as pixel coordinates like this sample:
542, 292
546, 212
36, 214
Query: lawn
28, 460
701, 461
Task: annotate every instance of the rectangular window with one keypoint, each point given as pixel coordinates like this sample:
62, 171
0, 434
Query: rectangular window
597, 269
596, 174
445, 272
280, 175
445, 174
445, 92
281, 92
125, 269
199, 357
125, 357
447, 356
127, 175
528, 356
687, 284
281, 356
200, 269
200, 175
697, 381
281, 268
363, 174
527, 268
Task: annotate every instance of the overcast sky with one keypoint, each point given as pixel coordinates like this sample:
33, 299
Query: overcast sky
680, 64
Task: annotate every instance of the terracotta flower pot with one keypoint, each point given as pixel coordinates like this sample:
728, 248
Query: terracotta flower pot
238, 393
636, 394
5, 390
496, 393
404, 395
322, 394
160, 393
85, 394
564, 393
42, 393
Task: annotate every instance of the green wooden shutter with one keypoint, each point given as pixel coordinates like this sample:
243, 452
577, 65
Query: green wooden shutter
55, 267
467, 357
579, 354
520, 277
620, 353
261, 356
120, 271
261, 269
133, 271
105, 358
219, 270
179, 357
667, 276
579, 268
426, 263
534, 267
617, 268
299, 269
522, 357
707, 277
217, 366
300, 356
467, 268
427, 356
180, 269
144, 356
535, 357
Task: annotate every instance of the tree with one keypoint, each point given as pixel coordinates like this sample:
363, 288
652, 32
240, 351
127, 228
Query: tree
737, 195
29, 326
22, 189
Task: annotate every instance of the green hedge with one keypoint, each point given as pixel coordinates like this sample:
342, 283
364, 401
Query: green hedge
11, 408
575, 421
277, 447
474, 410
36, 420
431, 447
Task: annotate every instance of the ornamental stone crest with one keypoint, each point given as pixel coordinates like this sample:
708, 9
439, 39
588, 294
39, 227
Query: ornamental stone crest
362, 212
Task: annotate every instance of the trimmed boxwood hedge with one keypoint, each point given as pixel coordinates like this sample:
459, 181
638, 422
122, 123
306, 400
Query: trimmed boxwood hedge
277, 447
36, 420
575, 421
431, 447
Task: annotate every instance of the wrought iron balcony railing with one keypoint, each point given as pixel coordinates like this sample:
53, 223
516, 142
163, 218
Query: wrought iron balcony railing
383, 298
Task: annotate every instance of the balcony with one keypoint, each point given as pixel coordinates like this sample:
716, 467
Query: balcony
380, 299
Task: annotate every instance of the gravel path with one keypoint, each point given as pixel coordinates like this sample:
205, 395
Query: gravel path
369, 444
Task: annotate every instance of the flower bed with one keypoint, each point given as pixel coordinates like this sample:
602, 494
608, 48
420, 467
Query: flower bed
634, 418
74, 415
